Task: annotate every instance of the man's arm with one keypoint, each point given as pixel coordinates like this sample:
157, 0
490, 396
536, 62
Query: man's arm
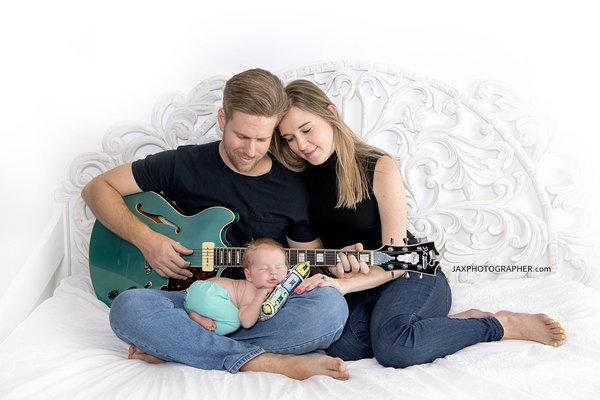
104, 195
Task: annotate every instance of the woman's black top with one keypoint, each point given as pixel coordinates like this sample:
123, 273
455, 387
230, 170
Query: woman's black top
339, 227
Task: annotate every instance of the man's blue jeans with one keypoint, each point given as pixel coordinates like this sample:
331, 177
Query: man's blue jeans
404, 323
156, 322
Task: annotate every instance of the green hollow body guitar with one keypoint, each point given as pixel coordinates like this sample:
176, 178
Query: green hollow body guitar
117, 265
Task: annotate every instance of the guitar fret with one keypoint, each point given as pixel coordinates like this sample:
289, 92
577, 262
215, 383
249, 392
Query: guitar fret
301, 256
309, 256
320, 257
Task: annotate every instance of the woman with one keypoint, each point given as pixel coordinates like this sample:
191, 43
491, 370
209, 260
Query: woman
357, 196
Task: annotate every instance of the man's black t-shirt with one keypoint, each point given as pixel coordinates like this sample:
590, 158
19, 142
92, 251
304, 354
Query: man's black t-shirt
195, 177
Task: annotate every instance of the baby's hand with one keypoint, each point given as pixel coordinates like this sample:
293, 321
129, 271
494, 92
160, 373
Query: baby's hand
205, 322
263, 293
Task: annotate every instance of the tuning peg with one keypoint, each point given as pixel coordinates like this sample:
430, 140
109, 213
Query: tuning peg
420, 276
407, 274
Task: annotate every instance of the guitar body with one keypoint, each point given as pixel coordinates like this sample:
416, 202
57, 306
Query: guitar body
117, 265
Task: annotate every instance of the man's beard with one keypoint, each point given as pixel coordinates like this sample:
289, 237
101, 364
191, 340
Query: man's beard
236, 159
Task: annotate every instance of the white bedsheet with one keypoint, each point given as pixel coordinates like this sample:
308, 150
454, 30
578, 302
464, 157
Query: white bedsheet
66, 350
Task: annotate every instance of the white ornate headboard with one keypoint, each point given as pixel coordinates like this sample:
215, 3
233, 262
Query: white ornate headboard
477, 171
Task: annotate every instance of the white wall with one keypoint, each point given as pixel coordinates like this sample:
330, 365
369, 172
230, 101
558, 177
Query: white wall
70, 70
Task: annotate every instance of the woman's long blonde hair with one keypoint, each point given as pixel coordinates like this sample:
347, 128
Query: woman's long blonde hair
353, 154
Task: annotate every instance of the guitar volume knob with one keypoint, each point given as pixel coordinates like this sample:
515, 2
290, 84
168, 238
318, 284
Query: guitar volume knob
113, 294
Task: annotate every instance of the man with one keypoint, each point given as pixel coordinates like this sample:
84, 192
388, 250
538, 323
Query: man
271, 202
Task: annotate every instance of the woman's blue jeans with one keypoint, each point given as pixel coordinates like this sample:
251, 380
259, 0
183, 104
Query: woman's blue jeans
156, 322
404, 323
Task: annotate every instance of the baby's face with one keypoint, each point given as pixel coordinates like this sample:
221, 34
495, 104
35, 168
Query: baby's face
267, 267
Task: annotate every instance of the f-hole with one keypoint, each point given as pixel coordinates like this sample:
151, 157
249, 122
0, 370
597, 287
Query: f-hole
159, 219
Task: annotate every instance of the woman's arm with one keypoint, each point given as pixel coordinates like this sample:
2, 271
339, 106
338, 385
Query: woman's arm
375, 277
391, 200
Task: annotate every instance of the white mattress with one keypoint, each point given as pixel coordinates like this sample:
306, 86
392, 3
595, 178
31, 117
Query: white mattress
66, 350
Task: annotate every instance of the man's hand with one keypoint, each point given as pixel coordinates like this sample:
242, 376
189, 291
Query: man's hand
162, 254
349, 265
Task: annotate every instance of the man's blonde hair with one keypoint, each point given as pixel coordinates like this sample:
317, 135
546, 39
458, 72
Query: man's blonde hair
255, 92
258, 243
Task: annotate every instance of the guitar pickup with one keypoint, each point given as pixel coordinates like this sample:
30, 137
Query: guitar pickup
208, 260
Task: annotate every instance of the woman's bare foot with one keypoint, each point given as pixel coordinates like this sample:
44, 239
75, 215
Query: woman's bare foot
298, 367
205, 322
472, 313
137, 354
536, 327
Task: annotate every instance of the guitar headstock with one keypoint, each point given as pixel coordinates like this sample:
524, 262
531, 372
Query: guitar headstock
416, 255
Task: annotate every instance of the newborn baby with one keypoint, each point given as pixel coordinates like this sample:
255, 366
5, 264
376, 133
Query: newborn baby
222, 304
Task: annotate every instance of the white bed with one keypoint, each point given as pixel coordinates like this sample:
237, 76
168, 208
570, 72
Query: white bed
481, 182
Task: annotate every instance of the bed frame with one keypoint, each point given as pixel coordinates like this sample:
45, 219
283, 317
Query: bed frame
481, 180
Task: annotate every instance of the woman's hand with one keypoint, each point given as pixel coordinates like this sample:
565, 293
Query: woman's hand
320, 280
349, 265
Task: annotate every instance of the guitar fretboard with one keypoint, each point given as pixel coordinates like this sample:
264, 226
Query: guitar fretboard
232, 256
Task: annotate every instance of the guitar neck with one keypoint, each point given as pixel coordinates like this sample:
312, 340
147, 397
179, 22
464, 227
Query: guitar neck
232, 256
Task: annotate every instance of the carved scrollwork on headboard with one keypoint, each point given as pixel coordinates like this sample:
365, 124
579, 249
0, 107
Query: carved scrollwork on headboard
472, 165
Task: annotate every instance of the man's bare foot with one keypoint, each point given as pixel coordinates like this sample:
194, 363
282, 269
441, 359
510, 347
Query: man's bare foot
137, 354
536, 327
472, 313
205, 322
298, 367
